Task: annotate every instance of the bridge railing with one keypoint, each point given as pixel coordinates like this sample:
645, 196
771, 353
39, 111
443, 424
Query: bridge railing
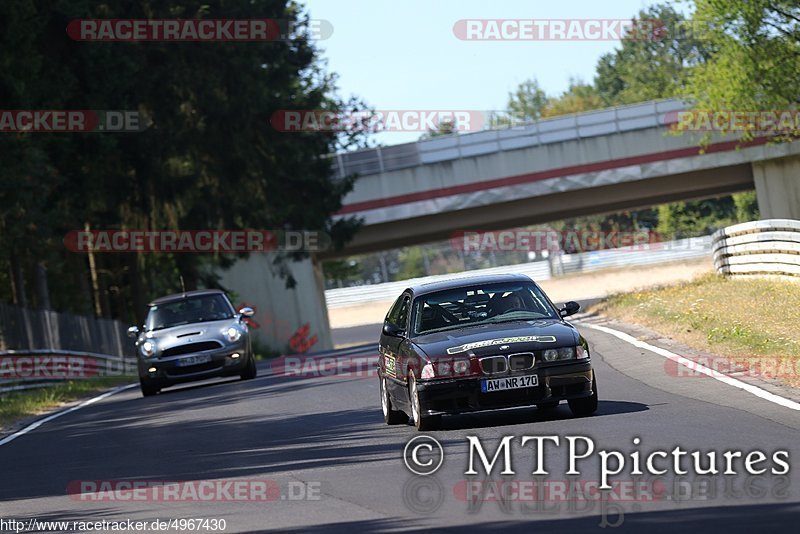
768, 247
554, 130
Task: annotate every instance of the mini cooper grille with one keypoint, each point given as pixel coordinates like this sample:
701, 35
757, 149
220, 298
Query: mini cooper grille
521, 361
493, 365
190, 348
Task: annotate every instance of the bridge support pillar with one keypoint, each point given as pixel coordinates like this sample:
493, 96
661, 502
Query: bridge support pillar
778, 187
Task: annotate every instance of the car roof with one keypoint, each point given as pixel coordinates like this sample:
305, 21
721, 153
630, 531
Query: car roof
455, 283
187, 295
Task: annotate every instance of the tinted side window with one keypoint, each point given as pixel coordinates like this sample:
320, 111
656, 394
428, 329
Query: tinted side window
403, 315
394, 312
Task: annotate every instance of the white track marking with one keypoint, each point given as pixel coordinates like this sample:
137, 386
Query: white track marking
694, 366
40, 422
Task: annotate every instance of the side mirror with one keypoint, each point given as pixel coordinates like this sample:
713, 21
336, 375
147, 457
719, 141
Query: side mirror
247, 311
133, 331
570, 308
392, 330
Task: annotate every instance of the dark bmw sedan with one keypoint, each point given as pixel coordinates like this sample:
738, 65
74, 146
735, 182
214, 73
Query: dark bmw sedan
481, 343
192, 336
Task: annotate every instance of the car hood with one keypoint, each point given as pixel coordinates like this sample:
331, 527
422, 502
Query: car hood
189, 333
519, 336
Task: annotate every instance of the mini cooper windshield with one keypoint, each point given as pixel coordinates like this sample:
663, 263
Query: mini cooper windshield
187, 311
471, 306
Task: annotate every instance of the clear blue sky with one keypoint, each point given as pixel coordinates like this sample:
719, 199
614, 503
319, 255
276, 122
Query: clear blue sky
403, 54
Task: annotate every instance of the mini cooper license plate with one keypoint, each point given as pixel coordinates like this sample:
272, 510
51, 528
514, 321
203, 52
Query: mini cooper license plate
512, 382
193, 360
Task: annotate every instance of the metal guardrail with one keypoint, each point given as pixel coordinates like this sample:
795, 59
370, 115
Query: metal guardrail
345, 296
28, 369
650, 254
768, 247
555, 130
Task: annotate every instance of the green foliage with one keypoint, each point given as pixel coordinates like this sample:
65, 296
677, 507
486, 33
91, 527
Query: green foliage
527, 101
691, 219
756, 60
208, 158
656, 66
746, 204
412, 263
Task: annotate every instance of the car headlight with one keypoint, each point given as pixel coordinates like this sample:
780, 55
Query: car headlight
233, 334
564, 353
148, 348
581, 353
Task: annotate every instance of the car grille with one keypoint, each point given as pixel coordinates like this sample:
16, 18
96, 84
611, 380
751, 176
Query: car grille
521, 361
494, 365
190, 348
500, 364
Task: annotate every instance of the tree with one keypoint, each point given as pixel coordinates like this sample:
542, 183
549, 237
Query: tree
578, 98
445, 127
207, 160
653, 63
756, 60
527, 101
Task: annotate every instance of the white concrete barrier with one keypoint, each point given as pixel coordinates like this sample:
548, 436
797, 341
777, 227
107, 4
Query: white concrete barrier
768, 247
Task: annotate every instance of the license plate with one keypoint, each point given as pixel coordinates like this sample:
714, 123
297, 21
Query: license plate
193, 360
512, 382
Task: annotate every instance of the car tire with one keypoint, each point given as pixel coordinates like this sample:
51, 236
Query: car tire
148, 389
421, 422
586, 405
390, 415
547, 406
251, 371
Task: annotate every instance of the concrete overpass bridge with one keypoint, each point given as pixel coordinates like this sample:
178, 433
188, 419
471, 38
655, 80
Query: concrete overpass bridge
588, 163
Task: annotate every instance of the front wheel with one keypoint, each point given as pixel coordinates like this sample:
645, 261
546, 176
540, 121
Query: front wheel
251, 371
421, 422
390, 415
148, 389
586, 405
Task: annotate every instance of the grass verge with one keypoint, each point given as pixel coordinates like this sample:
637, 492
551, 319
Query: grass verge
751, 319
18, 404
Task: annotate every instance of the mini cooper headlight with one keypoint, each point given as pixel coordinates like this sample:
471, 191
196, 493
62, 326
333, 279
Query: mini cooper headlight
148, 348
564, 353
233, 334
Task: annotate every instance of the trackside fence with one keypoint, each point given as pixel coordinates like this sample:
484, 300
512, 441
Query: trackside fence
42, 347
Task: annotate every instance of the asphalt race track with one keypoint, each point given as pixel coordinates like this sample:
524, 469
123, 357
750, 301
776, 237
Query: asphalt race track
331, 464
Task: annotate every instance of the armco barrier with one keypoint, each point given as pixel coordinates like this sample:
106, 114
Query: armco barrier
768, 247
682, 249
28, 369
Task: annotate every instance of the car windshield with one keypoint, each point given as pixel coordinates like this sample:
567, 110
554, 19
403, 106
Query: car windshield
187, 311
475, 305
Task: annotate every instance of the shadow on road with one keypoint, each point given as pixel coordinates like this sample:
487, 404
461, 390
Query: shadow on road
718, 519
534, 415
